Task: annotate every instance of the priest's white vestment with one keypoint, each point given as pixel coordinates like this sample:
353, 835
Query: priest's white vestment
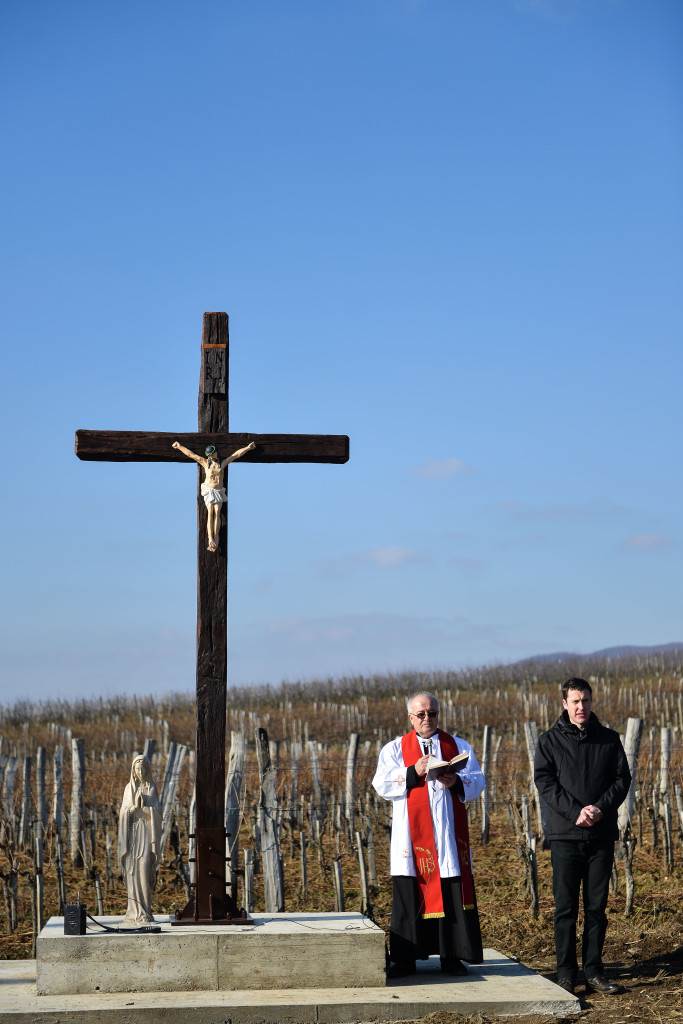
390, 783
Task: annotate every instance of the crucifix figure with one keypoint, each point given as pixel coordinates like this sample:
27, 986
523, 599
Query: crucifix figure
212, 490
210, 903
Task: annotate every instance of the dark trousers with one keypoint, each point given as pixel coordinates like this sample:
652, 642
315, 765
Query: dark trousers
574, 864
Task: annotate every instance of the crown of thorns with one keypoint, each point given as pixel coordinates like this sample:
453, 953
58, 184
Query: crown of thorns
210, 449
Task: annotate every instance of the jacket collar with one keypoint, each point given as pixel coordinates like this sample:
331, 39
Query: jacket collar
564, 725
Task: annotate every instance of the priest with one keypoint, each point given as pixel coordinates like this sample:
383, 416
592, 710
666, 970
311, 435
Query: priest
434, 909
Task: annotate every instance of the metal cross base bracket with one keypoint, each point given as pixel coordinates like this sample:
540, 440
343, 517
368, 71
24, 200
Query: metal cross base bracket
210, 904
238, 917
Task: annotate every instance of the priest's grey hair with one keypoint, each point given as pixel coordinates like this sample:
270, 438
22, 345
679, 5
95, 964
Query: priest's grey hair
421, 693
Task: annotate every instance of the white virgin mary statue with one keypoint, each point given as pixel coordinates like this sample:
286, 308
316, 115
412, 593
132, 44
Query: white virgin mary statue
139, 840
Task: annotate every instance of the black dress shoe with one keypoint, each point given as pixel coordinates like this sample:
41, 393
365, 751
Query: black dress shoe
566, 982
402, 970
599, 983
451, 965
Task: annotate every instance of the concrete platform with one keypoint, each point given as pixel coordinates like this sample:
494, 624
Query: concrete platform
277, 951
499, 986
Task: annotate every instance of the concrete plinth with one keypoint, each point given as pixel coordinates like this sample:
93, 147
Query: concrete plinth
498, 987
277, 951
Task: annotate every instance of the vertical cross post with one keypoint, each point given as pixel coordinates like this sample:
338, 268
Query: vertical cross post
210, 901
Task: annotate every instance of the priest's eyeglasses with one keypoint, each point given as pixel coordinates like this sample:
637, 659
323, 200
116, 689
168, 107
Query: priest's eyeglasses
424, 714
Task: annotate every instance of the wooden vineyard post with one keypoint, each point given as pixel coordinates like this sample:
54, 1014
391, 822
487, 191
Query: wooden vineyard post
248, 880
171, 786
10, 884
168, 772
39, 878
318, 841
370, 848
41, 799
350, 789
108, 869
25, 821
98, 891
257, 816
529, 852
59, 869
665, 795
485, 762
302, 863
315, 780
365, 907
77, 787
627, 838
270, 848
679, 807
531, 737
494, 771
10, 775
338, 885
295, 754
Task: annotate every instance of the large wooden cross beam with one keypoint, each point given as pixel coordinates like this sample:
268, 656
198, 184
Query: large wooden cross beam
210, 903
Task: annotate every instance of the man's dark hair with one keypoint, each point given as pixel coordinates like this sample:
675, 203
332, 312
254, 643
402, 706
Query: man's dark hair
575, 683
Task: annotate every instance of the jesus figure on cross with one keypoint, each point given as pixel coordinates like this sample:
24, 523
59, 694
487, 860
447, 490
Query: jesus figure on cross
212, 489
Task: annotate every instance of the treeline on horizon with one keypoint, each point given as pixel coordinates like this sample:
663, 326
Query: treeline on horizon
527, 675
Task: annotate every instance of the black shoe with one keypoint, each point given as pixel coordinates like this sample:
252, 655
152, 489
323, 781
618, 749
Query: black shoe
451, 965
401, 970
567, 982
599, 983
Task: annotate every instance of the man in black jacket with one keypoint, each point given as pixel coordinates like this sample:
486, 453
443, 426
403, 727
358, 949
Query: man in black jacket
582, 776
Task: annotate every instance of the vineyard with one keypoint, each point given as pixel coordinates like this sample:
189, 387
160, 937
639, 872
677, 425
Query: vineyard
307, 832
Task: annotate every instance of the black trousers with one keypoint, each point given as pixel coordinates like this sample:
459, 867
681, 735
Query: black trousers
412, 938
577, 863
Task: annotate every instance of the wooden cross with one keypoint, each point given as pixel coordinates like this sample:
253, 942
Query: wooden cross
210, 903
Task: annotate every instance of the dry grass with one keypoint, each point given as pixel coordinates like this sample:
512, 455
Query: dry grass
645, 952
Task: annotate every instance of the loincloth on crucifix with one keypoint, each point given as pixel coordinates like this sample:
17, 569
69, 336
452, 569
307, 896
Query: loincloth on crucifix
213, 495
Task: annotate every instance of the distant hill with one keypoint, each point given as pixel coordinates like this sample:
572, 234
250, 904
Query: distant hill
622, 651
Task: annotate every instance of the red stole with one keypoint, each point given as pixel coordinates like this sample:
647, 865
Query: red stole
422, 832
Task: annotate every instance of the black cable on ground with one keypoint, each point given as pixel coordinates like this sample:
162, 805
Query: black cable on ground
144, 929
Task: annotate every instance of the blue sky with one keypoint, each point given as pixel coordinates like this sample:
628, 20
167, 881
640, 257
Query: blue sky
449, 229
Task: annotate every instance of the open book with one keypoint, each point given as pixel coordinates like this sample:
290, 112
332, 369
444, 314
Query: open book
436, 767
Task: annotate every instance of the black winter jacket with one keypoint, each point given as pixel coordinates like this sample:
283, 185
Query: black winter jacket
574, 768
